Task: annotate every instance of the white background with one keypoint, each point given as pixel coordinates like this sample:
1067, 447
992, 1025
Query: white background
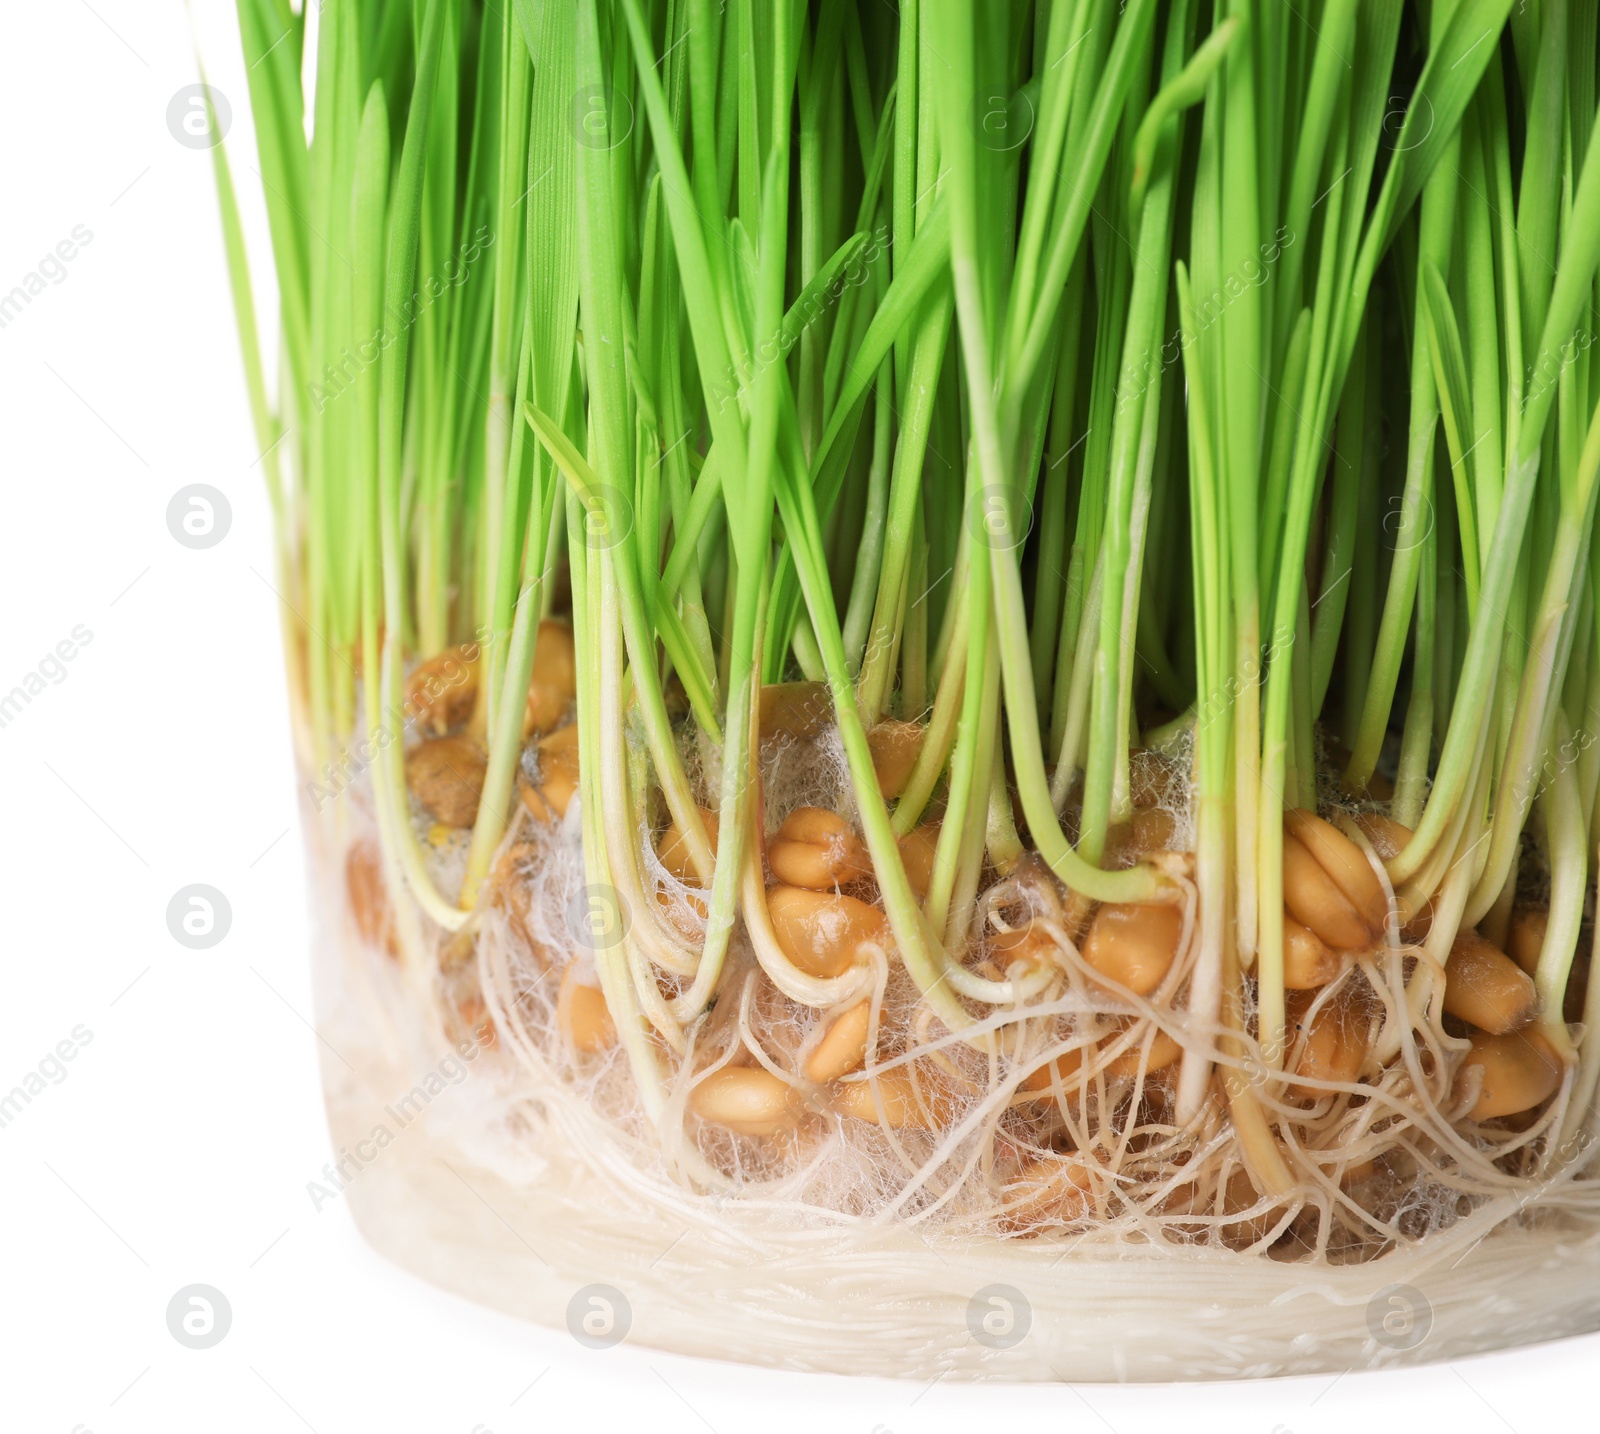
178, 1147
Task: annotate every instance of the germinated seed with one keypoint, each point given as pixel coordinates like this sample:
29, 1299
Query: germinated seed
1519, 1070
1047, 1192
446, 775
442, 691
554, 683
1387, 836
821, 933
1308, 960
843, 1048
1030, 945
817, 849
796, 710
1316, 901
895, 747
920, 1105
917, 851
1146, 831
583, 1014
674, 850
1346, 867
1525, 941
558, 775
1164, 1051
1134, 945
1335, 1047
1063, 1068
1486, 987
747, 1099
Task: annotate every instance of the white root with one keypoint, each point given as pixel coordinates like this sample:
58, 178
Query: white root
1377, 1163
